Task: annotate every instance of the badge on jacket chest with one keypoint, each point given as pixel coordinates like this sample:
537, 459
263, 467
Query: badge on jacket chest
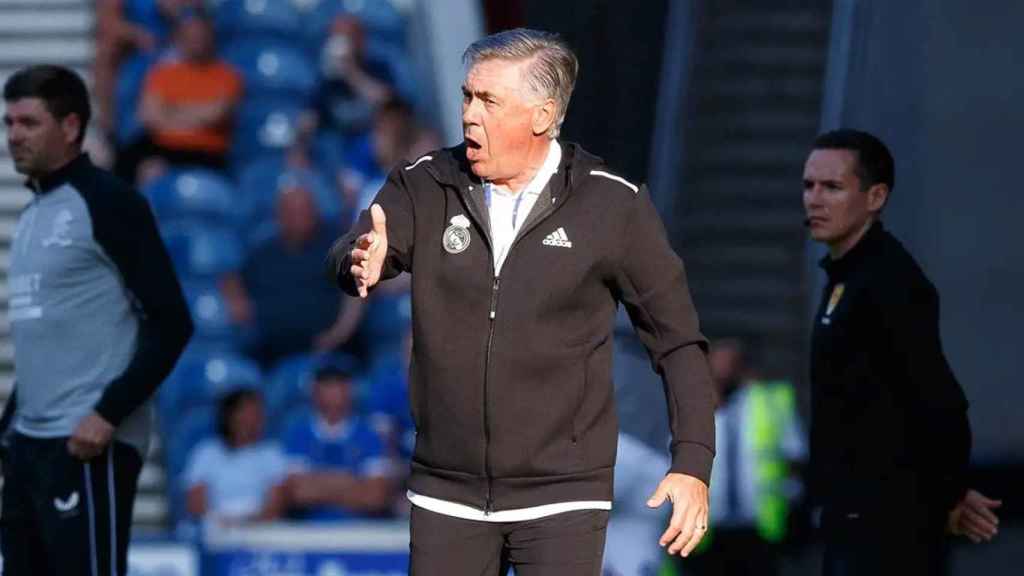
833, 301
456, 236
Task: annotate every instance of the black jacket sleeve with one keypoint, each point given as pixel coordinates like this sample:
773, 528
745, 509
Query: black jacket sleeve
401, 225
124, 226
936, 401
652, 286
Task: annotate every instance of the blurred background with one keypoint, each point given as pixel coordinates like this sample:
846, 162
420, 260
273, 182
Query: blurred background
258, 129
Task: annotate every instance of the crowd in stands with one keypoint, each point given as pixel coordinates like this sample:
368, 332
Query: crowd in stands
258, 130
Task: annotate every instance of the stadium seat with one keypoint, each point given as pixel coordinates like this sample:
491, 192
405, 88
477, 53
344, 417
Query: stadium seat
256, 18
261, 181
199, 380
202, 251
265, 128
131, 76
213, 327
195, 195
273, 69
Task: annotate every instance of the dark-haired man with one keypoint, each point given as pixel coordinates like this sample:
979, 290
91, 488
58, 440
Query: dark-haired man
890, 439
98, 320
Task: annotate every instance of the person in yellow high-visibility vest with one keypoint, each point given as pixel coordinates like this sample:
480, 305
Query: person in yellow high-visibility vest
760, 440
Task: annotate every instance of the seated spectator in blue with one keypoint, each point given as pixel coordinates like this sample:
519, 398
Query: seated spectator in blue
281, 296
341, 469
238, 477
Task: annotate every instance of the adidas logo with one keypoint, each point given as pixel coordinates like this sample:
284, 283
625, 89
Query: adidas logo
557, 238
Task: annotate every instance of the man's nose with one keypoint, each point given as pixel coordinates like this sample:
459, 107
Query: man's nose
470, 113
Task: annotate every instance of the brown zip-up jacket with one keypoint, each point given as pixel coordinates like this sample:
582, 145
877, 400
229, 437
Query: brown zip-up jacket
510, 380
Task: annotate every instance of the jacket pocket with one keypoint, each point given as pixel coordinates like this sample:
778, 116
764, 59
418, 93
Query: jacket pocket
416, 396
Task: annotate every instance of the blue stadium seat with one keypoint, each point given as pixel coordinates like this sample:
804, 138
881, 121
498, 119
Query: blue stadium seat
131, 77
195, 195
261, 181
213, 327
200, 379
202, 251
265, 128
256, 18
273, 69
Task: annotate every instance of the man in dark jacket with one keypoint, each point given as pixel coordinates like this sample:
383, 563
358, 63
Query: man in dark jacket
520, 249
890, 439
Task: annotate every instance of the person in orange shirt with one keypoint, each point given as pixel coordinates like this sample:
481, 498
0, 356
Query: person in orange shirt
188, 103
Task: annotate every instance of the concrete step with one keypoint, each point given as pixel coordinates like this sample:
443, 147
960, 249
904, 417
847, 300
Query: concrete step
23, 51
59, 21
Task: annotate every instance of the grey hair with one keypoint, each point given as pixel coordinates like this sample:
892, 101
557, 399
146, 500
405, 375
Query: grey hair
552, 70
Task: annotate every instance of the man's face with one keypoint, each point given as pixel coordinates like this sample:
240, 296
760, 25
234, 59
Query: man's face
37, 141
497, 118
837, 208
297, 215
195, 40
332, 397
247, 421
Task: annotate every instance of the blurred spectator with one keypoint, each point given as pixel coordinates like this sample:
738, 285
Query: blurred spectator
238, 477
188, 104
353, 86
386, 398
760, 443
125, 28
281, 293
396, 137
341, 468
631, 548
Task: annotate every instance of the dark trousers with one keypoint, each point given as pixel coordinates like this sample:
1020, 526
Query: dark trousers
734, 552
567, 544
899, 543
63, 516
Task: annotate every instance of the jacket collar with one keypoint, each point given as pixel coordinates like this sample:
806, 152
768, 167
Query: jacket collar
858, 254
453, 168
59, 176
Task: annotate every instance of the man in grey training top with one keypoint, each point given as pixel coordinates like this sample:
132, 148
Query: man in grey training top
98, 321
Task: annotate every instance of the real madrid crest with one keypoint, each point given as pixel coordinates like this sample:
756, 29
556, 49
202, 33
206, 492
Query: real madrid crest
456, 236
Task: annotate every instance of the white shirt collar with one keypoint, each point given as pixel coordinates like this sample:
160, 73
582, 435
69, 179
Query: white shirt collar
543, 175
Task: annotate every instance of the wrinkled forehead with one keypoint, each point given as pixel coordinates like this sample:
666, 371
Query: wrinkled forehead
498, 74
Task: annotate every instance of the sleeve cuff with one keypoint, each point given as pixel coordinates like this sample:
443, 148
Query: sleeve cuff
693, 459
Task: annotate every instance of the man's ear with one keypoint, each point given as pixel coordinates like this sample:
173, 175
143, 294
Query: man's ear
543, 117
70, 126
878, 195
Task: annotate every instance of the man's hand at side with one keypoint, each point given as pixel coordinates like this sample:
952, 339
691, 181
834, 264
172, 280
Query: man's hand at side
973, 517
90, 437
689, 523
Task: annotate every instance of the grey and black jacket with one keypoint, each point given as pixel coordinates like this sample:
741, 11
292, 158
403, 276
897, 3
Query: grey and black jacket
97, 314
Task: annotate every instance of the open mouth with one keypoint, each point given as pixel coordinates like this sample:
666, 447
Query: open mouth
471, 143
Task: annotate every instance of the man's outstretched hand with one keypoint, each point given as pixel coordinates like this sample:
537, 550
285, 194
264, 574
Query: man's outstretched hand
369, 253
689, 523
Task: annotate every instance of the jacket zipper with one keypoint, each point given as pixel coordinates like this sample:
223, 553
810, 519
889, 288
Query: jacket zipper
492, 314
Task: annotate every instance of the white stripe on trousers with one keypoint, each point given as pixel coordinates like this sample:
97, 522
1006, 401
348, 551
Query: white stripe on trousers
113, 510
92, 518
